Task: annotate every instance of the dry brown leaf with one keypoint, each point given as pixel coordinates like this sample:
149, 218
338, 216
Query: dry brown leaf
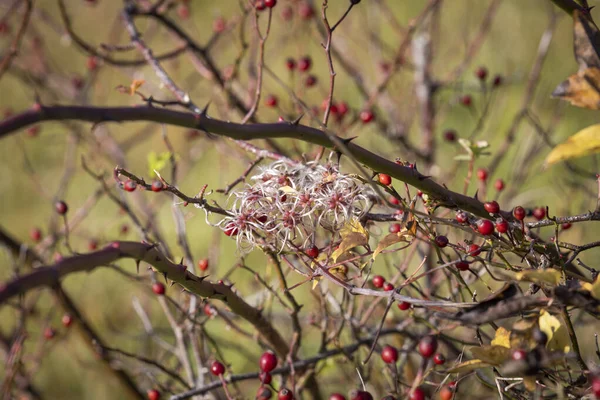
581, 89
586, 40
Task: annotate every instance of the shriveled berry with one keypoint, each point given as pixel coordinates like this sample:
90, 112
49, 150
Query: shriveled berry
491, 206
378, 281
268, 361
441, 241
427, 346
203, 264
385, 179
217, 368
285, 394
519, 213
389, 355
439, 359
61, 207
158, 288
153, 394
485, 227
403, 305
312, 252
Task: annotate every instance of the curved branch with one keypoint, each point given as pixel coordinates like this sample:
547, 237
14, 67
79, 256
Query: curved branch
51, 275
411, 176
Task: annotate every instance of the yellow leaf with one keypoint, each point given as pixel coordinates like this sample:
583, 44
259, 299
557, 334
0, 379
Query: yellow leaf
387, 241
494, 355
468, 366
583, 143
593, 288
353, 234
548, 276
549, 324
502, 338
135, 85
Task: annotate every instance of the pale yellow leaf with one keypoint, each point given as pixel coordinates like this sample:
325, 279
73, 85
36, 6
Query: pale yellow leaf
549, 324
502, 338
583, 143
316, 282
548, 276
494, 355
353, 234
468, 366
135, 85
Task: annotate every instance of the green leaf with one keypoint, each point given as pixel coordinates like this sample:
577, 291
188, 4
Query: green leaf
156, 162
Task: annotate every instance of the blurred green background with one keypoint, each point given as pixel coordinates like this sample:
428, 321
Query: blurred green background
31, 168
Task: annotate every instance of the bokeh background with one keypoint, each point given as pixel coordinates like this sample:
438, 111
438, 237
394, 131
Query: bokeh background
38, 167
